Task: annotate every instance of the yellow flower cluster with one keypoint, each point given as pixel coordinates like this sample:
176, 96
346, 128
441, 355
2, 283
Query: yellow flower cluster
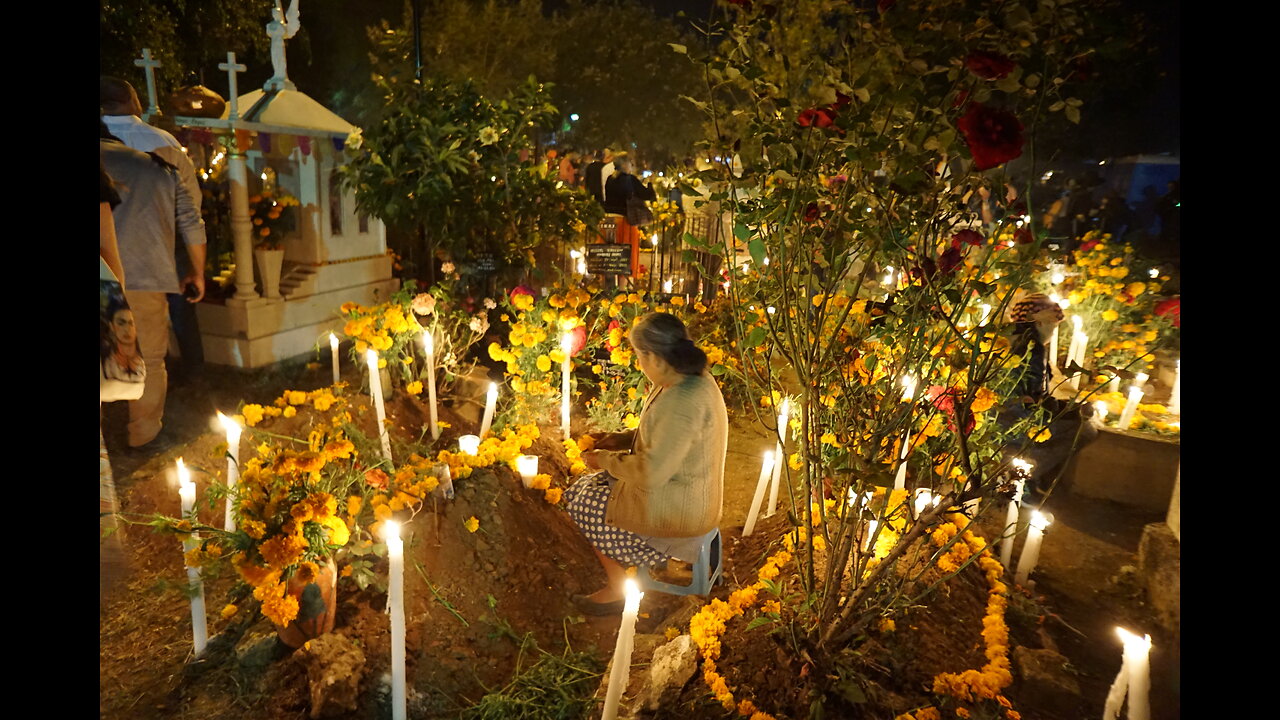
708, 624
377, 326
495, 448
995, 675
574, 453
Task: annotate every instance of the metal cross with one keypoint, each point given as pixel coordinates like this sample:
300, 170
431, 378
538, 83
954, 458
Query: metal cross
232, 69
148, 66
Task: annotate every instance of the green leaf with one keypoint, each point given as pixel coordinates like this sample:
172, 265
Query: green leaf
761, 620
756, 248
755, 338
1072, 113
741, 231
1057, 106
679, 48
850, 691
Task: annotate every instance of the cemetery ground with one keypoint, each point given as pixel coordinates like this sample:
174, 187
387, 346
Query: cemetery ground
483, 605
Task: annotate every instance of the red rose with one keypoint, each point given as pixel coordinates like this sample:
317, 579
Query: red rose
989, 66
1023, 236
818, 117
1088, 246
944, 399
949, 260
1171, 307
811, 213
521, 290
577, 340
994, 136
971, 237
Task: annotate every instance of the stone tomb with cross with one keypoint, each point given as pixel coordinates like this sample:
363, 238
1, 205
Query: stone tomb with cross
333, 256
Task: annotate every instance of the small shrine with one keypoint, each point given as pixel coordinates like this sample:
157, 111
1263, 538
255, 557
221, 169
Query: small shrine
282, 146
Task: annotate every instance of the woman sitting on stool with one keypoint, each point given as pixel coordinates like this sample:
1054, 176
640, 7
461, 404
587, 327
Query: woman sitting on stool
659, 489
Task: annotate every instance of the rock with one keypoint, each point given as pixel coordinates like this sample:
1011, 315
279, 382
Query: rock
1160, 569
642, 648
1042, 674
335, 665
671, 667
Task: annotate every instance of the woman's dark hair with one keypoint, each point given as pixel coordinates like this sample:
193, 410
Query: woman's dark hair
666, 336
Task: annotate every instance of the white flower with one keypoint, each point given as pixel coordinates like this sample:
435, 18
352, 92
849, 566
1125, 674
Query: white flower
489, 304
488, 135
355, 139
446, 268
423, 303
478, 324
473, 156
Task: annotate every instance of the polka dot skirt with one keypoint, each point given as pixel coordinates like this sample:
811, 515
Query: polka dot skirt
586, 501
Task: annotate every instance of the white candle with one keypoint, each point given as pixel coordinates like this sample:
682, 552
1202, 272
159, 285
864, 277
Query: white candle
1140, 379
871, 532
1175, 397
566, 344
333, 347
924, 499
1114, 385
666, 286
490, 401
429, 346
1115, 696
395, 600
986, 313
1101, 408
779, 457
527, 466
766, 472
233, 466
199, 624
1031, 550
1022, 468
1136, 667
622, 651
1130, 407
375, 387
469, 444
900, 477
1053, 348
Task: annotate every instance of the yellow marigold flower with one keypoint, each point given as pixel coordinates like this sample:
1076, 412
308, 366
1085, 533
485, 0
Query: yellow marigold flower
414, 388
229, 610
307, 572
301, 512
746, 708
962, 713
253, 529
632, 421
1110, 315
552, 495
556, 356
472, 524
346, 571
888, 625
290, 411
678, 300
1041, 436
295, 397
929, 713
252, 414
541, 481
544, 363
382, 512
556, 301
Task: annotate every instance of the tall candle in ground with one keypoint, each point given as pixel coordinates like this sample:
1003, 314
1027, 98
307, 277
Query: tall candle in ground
779, 455
621, 671
490, 402
766, 472
566, 344
199, 623
233, 466
395, 601
333, 350
1031, 550
1137, 657
375, 389
1022, 469
1130, 407
429, 346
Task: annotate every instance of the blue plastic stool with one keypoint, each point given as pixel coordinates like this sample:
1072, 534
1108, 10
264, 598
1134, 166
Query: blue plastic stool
706, 570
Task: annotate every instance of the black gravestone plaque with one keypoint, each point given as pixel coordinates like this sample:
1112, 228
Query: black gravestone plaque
485, 263
609, 259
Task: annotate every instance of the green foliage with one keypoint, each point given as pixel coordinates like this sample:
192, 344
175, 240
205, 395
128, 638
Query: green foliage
461, 165
857, 165
556, 687
186, 37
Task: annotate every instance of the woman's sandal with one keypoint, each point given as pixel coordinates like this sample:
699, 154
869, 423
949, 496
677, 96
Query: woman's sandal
598, 609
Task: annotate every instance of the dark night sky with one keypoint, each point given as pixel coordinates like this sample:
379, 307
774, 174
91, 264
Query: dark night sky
1143, 119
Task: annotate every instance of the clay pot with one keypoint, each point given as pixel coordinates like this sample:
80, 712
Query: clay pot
317, 607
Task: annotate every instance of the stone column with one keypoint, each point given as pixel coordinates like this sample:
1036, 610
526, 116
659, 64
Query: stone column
1174, 518
241, 227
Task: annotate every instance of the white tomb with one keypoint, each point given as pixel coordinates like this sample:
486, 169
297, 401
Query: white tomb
334, 255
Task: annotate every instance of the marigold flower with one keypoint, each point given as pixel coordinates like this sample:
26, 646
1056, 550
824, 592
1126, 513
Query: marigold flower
472, 524
552, 495
414, 388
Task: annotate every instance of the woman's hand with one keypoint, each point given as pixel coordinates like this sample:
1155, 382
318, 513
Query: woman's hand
591, 459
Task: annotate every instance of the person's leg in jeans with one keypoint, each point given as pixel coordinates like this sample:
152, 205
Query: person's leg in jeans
151, 314
182, 316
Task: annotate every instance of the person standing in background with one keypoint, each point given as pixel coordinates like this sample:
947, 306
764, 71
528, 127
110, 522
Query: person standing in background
121, 111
